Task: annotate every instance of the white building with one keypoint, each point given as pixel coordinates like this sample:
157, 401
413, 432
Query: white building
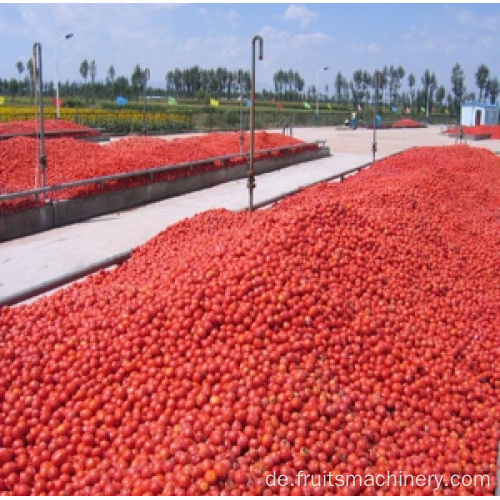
478, 113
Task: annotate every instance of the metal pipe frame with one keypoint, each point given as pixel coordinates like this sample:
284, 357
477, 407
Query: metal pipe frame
375, 110
296, 148
251, 171
37, 62
147, 75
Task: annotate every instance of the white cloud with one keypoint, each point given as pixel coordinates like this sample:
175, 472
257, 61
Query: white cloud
472, 20
312, 38
359, 47
301, 14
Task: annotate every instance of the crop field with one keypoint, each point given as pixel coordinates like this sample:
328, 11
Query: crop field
351, 329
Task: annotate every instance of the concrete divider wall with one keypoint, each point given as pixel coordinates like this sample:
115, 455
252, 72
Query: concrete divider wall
59, 213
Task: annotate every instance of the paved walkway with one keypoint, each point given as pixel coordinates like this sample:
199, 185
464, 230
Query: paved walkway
41, 261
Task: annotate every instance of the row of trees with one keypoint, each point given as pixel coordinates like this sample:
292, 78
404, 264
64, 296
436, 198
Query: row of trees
195, 82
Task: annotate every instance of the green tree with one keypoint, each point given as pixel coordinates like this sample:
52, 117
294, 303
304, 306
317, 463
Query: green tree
411, 83
20, 70
440, 95
482, 75
430, 84
111, 74
93, 74
458, 89
396, 74
494, 90
84, 69
137, 80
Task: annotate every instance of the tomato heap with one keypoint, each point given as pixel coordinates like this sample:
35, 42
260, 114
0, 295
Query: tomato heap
493, 130
406, 123
72, 160
349, 329
50, 126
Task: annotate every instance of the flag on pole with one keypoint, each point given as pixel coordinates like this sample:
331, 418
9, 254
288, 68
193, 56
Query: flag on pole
408, 111
172, 101
214, 103
54, 102
329, 106
249, 103
394, 109
121, 101
307, 105
360, 108
422, 110
280, 105
2, 100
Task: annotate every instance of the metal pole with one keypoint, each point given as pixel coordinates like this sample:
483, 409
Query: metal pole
497, 491
58, 113
375, 111
241, 111
42, 162
66, 37
251, 172
144, 123
317, 93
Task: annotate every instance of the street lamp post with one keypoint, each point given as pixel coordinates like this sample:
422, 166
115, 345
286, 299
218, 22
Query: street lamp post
146, 78
375, 112
317, 93
240, 84
37, 71
251, 172
66, 37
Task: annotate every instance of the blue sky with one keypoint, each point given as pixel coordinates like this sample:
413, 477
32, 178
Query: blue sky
304, 37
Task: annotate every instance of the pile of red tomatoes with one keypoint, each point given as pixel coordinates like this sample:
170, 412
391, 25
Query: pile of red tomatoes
406, 123
350, 329
70, 160
31, 127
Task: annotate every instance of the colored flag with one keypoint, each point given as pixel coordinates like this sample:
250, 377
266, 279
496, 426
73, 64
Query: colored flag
280, 105
214, 102
329, 106
446, 111
54, 102
360, 108
249, 103
121, 101
408, 110
422, 110
307, 105
2, 100
394, 109
172, 101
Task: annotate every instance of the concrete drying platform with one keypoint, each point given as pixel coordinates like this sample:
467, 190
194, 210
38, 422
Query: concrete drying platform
40, 262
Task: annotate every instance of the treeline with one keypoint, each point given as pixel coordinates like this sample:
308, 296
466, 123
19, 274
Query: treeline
197, 83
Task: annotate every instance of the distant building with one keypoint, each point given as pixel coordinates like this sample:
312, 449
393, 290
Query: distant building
478, 113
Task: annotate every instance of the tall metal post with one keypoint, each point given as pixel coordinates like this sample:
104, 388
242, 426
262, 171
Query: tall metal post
251, 172
144, 123
242, 141
58, 107
375, 112
317, 92
37, 68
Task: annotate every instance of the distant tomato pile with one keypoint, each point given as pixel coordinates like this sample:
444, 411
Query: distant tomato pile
350, 329
494, 130
50, 126
71, 160
406, 123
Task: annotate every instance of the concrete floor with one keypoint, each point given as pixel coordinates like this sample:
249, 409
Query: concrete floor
40, 261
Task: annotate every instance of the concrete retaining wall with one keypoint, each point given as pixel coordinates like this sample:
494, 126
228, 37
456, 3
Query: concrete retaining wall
60, 213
